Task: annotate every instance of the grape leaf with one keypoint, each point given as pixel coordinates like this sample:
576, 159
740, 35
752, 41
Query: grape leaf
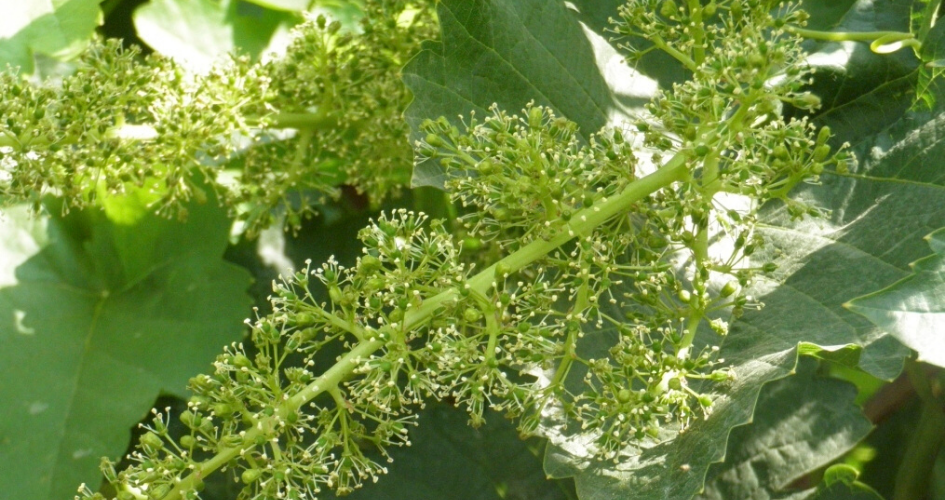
862, 92
99, 322
197, 33
824, 14
509, 53
801, 422
913, 309
449, 459
57, 28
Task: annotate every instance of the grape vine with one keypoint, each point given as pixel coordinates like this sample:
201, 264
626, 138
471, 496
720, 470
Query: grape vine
613, 232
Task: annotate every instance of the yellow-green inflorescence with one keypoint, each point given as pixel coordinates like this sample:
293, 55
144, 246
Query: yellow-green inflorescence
289, 130
589, 247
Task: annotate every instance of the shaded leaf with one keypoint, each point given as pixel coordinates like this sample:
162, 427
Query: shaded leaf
197, 33
913, 309
57, 28
862, 92
800, 423
825, 14
508, 53
99, 322
449, 459
597, 14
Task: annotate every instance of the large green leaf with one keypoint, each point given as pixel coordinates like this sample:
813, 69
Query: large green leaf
862, 92
449, 459
508, 53
913, 309
825, 14
98, 323
199, 32
801, 422
58, 28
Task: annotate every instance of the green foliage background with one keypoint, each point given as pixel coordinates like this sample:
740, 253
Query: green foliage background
106, 309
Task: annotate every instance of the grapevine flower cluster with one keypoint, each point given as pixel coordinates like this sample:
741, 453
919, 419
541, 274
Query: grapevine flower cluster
292, 129
538, 159
590, 313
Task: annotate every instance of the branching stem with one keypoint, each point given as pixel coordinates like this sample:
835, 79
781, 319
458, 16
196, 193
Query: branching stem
673, 171
696, 29
687, 61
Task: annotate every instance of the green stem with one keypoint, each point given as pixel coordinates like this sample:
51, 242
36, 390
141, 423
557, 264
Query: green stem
848, 36
915, 472
679, 56
675, 170
327, 381
700, 254
696, 29
306, 121
570, 344
340, 323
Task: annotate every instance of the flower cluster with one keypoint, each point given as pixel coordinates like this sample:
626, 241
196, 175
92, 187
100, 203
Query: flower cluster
292, 426
601, 282
526, 175
293, 129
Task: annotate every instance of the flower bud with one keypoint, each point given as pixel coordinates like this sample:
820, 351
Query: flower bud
250, 476
472, 315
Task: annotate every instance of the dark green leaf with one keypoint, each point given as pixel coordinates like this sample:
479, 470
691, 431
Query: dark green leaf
449, 459
58, 28
825, 14
862, 92
508, 53
913, 309
800, 423
98, 323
